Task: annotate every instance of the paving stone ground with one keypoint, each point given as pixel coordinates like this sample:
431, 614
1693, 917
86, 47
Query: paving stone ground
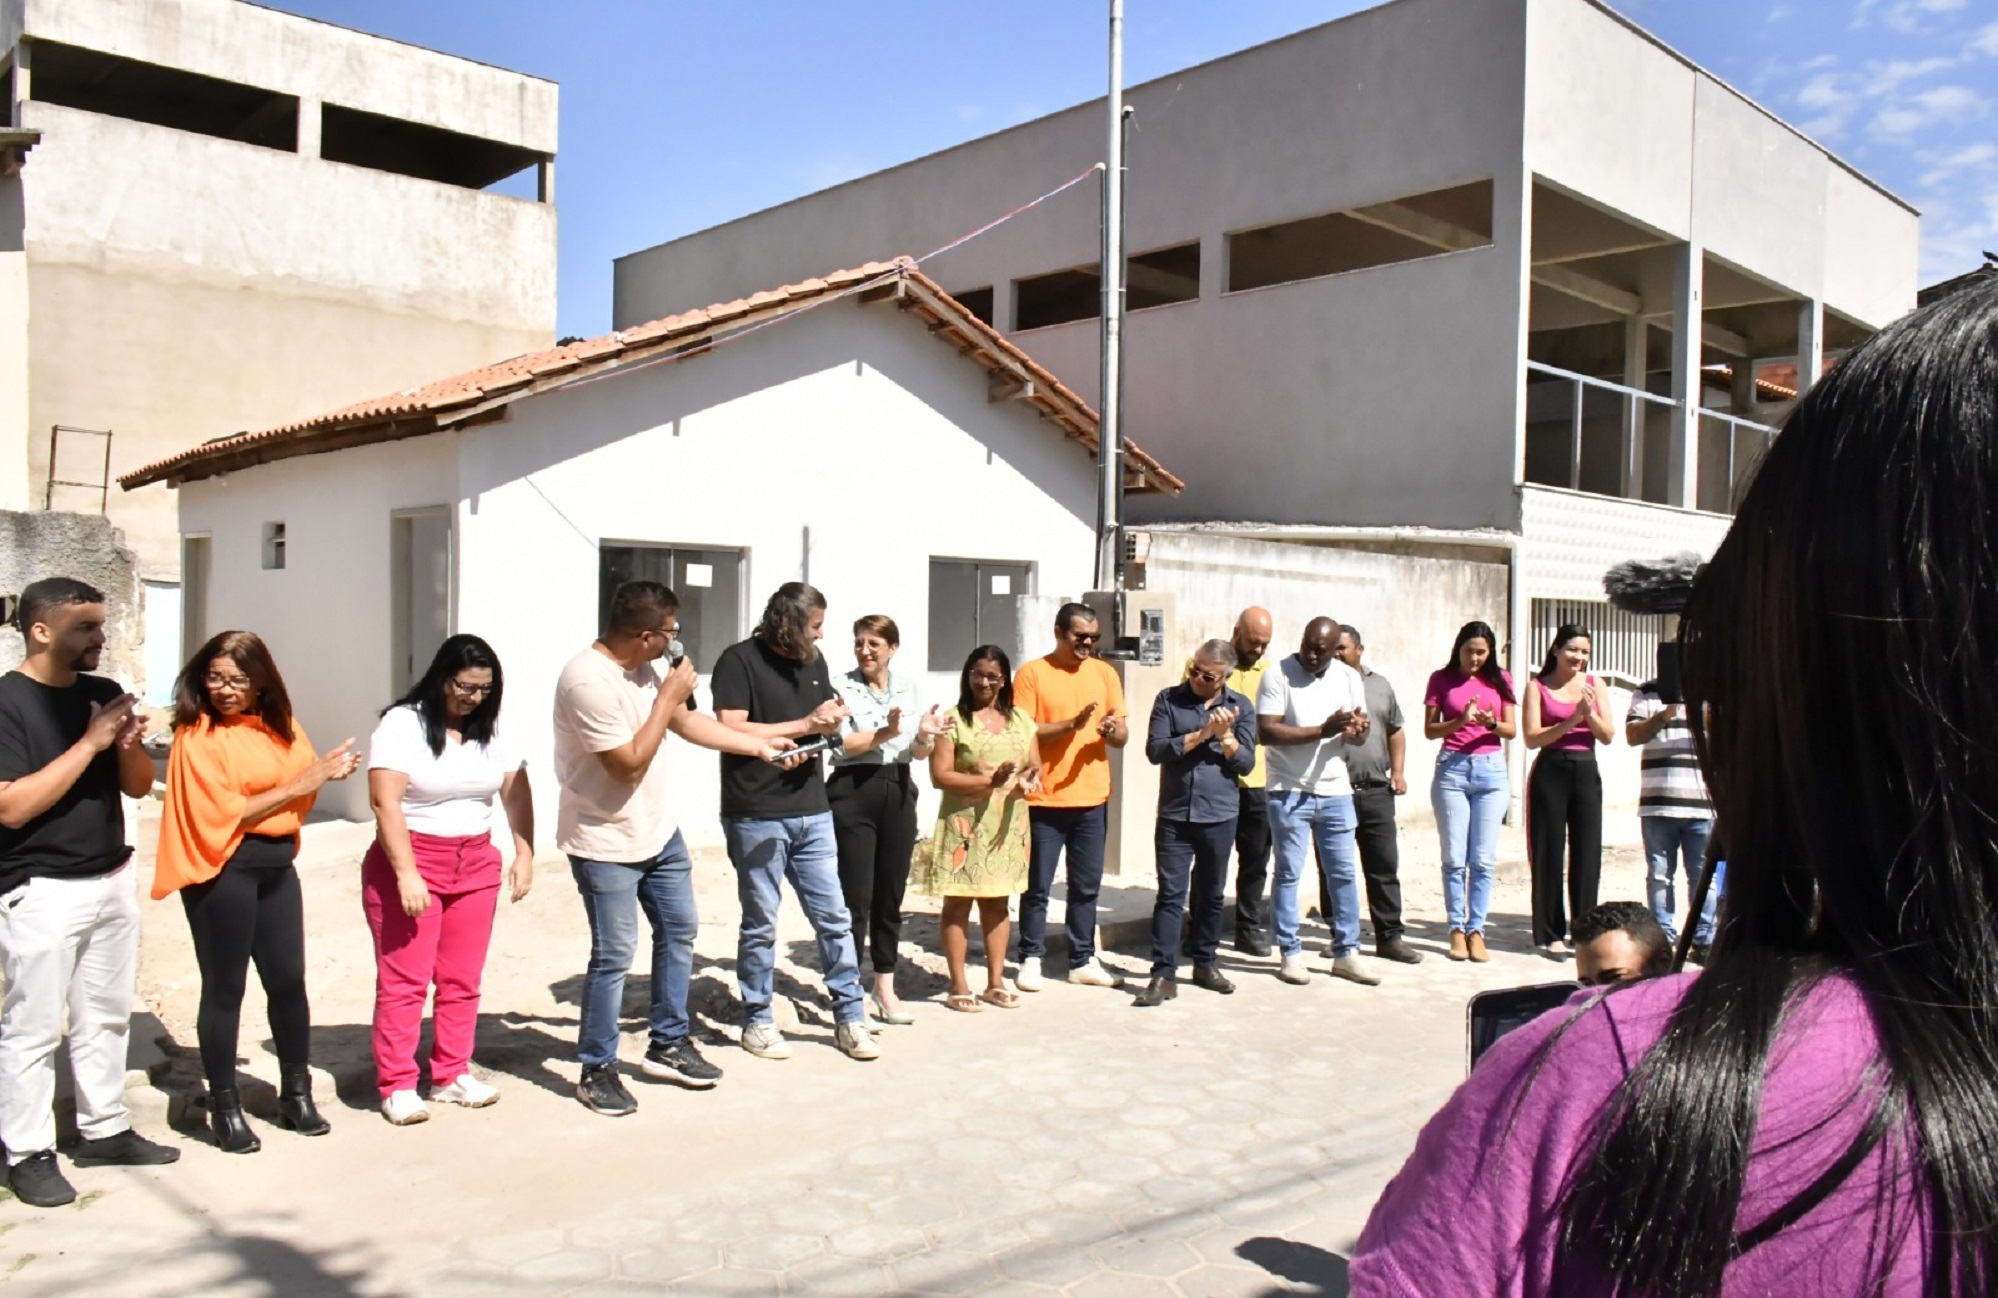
1213, 1146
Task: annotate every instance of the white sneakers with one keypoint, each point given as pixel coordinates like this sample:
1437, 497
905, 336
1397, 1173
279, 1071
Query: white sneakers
406, 1108
855, 1041
765, 1041
1094, 974
467, 1092
1294, 971
1029, 977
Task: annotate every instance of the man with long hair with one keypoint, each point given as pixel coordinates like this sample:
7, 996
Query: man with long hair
779, 825
69, 918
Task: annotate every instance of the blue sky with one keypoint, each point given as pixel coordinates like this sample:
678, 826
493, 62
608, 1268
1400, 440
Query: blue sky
677, 115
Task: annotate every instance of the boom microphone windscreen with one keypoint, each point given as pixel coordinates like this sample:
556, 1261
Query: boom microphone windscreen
1652, 586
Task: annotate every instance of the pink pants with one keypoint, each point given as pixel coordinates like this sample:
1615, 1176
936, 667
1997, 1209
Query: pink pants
445, 945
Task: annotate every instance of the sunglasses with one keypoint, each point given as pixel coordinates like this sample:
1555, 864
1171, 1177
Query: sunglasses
1085, 637
1201, 674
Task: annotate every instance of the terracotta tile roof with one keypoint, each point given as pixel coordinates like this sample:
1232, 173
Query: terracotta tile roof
1772, 382
480, 395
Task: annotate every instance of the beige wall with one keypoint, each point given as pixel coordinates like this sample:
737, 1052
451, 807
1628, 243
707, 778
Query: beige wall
184, 288
166, 365
258, 46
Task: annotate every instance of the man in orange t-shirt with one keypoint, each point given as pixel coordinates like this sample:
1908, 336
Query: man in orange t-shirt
1077, 702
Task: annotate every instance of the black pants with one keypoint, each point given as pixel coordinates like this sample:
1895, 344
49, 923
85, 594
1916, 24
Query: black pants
1193, 880
874, 821
1252, 863
1564, 818
1380, 860
253, 910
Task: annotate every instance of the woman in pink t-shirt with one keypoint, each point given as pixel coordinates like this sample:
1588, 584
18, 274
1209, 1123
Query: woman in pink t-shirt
1567, 715
1470, 707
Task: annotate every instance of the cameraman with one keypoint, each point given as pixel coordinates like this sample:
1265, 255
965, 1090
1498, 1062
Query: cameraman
1672, 808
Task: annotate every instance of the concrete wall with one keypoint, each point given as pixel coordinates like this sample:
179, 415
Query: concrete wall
1616, 117
256, 46
1408, 609
88, 548
1337, 378
846, 445
184, 287
13, 351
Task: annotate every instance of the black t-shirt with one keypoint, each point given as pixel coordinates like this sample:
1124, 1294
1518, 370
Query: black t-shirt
772, 689
83, 834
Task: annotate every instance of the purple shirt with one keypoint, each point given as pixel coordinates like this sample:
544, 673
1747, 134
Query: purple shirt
1553, 712
1474, 1210
1454, 692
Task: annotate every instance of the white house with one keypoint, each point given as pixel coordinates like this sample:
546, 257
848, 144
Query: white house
863, 431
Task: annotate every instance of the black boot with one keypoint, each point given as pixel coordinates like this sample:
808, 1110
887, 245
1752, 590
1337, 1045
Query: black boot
296, 1110
225, 1118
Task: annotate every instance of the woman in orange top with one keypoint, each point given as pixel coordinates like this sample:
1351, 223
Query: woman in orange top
241, 777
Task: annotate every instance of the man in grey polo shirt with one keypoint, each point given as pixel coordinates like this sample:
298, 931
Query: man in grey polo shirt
1375, 765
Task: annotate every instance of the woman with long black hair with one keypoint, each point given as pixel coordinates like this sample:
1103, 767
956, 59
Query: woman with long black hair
1566, 714
1816, 1112
430, 882
1470, 706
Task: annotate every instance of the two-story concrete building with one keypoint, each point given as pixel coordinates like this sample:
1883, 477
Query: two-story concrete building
216, 216
1495, 281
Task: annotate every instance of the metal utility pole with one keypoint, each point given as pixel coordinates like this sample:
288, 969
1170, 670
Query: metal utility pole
1110, 435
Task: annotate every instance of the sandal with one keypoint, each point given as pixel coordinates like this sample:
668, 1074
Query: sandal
1002, 997
963, 1003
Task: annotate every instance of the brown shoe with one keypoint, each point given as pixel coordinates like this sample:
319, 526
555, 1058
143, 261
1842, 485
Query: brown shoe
1458, 950
1477, 953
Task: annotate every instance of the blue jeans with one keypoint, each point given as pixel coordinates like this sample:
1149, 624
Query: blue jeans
1469, 796
1083, 831
804, 850
1297, 821
613, 893
1664, 838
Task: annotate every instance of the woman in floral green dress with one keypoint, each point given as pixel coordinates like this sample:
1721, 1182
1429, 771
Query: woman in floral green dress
985, 765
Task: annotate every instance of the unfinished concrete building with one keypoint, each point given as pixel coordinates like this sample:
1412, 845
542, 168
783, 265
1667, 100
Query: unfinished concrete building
216, 216
1507, 283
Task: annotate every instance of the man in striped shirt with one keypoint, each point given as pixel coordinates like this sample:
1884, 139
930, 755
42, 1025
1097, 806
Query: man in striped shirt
1672, 808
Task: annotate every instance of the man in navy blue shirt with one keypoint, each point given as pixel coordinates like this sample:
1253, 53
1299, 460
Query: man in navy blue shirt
1202, 739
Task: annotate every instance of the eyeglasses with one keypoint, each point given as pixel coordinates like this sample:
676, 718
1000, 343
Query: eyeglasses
1201, 674
988, 678
463, 690
236, 683
1085, 637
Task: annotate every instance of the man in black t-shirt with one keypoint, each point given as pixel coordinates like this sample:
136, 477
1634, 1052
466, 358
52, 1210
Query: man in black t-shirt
69, 917
775, 685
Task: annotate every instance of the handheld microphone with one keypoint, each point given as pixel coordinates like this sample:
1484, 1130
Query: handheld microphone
675, 653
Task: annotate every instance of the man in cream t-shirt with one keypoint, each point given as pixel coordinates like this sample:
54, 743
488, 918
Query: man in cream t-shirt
1309, 708
612, 712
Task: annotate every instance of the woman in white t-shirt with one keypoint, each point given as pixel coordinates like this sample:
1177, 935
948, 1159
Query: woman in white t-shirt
430, 882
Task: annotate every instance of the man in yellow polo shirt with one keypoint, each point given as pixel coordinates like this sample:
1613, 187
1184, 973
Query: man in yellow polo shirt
1252, 824
1077, 702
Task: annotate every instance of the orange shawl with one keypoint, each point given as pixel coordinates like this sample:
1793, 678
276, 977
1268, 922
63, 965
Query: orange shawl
214, 769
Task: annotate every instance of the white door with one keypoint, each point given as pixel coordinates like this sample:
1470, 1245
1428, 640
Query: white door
420, 588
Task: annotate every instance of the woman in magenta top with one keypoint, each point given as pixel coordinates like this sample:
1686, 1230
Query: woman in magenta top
1567, 715
1815, 1113
1470, 707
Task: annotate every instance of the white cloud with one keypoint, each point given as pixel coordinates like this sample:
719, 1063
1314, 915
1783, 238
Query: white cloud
1955, 235
1910, 16
1780, 12
1946, 166
1886, 78
1950, 104
1986, 41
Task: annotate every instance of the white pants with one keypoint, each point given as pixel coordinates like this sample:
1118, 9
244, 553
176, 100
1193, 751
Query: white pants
70, 943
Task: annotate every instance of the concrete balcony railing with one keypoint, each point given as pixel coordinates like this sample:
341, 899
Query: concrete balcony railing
1592, 435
